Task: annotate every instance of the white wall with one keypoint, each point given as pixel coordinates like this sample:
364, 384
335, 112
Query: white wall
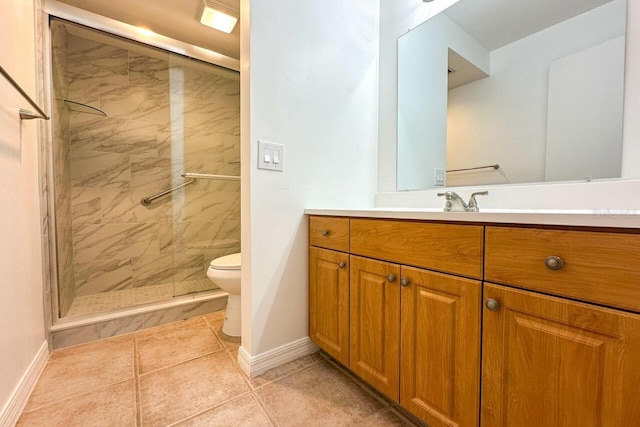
312, 70
584, 117
21, 290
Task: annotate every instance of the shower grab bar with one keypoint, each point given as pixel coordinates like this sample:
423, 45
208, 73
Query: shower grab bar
496, 166
146, 201
25, 114
210, 176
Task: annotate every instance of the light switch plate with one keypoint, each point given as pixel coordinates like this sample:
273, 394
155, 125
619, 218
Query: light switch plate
275, 156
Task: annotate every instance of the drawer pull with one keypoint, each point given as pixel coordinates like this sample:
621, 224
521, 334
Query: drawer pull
325, 233
492, 304
391, 278
404, 281
341, 264
553, 263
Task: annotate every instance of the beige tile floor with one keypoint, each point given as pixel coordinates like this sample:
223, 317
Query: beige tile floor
185, 374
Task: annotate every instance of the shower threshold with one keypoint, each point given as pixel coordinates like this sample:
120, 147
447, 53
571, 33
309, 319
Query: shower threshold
79, 329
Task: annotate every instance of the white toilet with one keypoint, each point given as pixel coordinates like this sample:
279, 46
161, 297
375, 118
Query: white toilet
225, 272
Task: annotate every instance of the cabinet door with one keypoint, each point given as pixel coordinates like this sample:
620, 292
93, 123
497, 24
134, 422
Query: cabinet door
329, 302
547, 361
375, 323
440, 362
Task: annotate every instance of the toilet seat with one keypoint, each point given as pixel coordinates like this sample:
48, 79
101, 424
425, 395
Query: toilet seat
228, 262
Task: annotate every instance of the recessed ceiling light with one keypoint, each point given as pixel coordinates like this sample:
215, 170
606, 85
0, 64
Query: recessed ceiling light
217, 15
145, 32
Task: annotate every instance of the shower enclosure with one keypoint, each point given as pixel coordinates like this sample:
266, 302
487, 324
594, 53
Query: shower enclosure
128, 121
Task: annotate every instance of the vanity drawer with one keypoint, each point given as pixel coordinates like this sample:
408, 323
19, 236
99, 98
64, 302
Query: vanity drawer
329, 232
596, 266
448, 248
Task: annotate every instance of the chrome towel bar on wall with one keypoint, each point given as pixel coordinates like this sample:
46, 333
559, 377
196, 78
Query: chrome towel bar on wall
210, 176
25, 114
146, 201
496, 167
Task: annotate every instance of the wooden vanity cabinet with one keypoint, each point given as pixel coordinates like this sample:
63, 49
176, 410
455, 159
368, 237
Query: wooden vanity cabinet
415, 336
440, 347
548, 361
375, 323
401, 303
414, 333
329, 302
329, 286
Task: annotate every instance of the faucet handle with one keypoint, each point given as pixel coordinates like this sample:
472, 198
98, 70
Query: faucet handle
447, 195
473, 203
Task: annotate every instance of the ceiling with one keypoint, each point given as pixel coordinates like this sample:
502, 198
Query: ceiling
497, 23
493, 23
171, 18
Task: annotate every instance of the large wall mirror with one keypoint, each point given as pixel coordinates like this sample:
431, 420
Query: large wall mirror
512, 91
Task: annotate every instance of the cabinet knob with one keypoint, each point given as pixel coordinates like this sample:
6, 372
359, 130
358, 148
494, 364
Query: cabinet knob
341, 264
391, 278
404, 281
553, 263
325, 233
492, 304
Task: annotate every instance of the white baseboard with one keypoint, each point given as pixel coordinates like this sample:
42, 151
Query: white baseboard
18, 400
260, 363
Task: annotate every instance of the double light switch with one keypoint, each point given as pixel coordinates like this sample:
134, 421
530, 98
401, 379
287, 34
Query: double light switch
270, 155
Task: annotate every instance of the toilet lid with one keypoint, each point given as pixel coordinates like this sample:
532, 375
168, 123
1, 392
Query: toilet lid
228, 262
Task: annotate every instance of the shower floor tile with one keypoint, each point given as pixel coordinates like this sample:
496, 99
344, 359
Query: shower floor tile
106, 301
194, 380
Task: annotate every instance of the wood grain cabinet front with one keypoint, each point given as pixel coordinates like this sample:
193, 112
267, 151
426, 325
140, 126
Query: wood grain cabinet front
448, 248
415, 336
413, 333
329, 233
548, 361
375, 323
440, 347
402, 306
329, 302
599, 267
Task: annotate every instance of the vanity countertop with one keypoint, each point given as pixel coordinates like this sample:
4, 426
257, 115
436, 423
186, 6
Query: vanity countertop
584, 218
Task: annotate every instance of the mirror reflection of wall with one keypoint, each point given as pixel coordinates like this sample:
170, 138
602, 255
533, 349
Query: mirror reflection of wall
540, 94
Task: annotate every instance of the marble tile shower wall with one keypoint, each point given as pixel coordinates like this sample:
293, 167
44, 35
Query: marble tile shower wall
62, 168
165, 116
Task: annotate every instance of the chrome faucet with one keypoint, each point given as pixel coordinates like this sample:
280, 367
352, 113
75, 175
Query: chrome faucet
452, 196
473, 203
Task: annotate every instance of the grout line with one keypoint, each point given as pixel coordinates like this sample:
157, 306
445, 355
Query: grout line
198, 356
235, 365
137, 388
76, 396
181, 362
82, 393
304, 368
263, 406
211, 408
387, 403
